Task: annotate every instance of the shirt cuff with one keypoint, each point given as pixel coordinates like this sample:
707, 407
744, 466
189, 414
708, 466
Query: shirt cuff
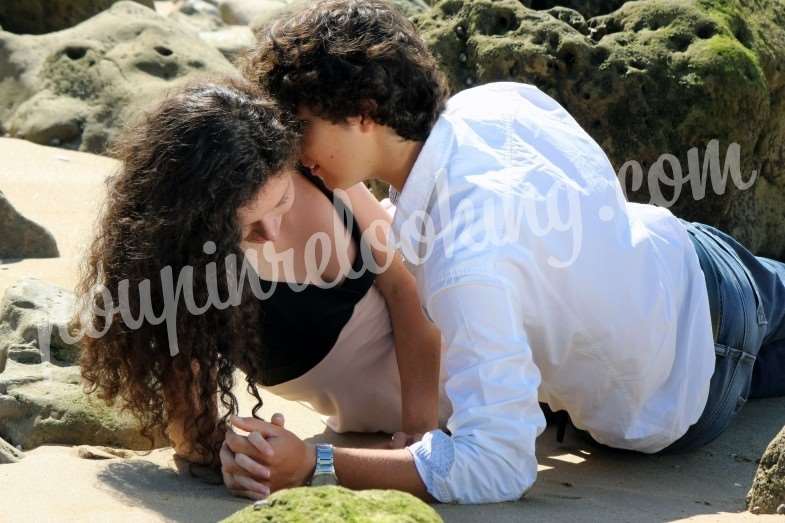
433, 456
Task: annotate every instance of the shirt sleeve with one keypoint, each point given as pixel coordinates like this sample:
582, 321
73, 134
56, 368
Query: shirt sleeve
492, 383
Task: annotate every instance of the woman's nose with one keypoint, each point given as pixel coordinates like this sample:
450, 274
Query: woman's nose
272, 226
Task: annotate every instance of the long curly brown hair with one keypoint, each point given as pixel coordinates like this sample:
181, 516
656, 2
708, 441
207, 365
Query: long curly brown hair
186, 169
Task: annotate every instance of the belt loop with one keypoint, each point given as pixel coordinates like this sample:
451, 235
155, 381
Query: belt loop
762, 315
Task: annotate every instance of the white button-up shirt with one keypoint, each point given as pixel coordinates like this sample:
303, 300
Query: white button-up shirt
546, 284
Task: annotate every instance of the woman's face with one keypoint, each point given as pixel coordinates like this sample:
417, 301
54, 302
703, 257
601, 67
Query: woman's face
260, 219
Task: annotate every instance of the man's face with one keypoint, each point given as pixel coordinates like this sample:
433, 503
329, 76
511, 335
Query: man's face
340, 154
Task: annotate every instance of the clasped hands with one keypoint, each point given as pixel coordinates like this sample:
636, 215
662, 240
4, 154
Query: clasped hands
270, 458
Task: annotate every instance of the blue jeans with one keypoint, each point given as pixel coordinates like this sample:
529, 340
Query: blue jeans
747, 302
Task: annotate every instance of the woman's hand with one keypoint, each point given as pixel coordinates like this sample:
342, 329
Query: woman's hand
269, 459
402, 440
242, 473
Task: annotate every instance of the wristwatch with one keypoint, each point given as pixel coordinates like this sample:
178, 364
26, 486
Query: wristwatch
324, 473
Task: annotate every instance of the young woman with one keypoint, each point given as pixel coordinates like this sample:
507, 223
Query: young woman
210, 177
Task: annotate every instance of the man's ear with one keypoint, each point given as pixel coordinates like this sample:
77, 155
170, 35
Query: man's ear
367, 108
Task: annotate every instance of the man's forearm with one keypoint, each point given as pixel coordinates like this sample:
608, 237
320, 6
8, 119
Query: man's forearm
379, 468
418, 354
419, 373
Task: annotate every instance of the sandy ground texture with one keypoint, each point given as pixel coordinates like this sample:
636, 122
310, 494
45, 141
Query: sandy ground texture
62, 190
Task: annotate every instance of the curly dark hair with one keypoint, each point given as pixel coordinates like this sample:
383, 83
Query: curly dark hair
343, 58
186, 169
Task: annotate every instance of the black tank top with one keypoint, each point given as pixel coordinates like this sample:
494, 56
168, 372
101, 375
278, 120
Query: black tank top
299, 328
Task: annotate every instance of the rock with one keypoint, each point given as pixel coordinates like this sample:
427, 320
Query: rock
411, 7
79, 87
46, 16
199, 15
587, 8
332, 503
22, 238
100, 452
31, 311
204, 19
41, 398
9, 453
407, 7
647, 78
232, 41
768, 488
243, 12
45, 404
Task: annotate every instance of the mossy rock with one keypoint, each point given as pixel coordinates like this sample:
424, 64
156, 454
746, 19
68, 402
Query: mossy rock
332, 504
646, 78
46, 16
42, 404
42, 400
768, 489
78, 88
32, 310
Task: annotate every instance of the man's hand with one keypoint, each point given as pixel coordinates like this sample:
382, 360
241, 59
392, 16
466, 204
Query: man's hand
269, 459
242, 472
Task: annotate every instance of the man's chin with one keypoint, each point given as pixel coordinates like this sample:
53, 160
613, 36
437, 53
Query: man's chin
335, 183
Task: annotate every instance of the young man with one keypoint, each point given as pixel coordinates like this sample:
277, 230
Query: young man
545, 282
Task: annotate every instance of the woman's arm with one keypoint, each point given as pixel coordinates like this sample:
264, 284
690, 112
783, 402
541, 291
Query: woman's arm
417, 340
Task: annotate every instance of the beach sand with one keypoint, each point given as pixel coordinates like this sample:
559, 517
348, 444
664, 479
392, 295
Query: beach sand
62, 191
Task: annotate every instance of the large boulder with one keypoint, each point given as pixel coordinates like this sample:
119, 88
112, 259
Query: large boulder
647, 78
331, 503
42, 400
767, 494
77, 88
22, 238
46, 16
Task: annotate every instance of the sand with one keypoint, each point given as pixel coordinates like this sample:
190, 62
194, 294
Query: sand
62, 191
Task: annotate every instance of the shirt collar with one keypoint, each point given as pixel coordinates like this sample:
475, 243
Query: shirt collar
421, 182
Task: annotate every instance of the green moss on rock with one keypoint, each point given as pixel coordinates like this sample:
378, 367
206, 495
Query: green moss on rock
332, 504
768, 488
645, 78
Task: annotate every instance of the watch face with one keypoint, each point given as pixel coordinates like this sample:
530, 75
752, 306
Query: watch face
323, 479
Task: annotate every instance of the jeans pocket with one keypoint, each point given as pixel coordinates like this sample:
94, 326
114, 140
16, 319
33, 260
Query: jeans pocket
734, 388
728, 394
759, 313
